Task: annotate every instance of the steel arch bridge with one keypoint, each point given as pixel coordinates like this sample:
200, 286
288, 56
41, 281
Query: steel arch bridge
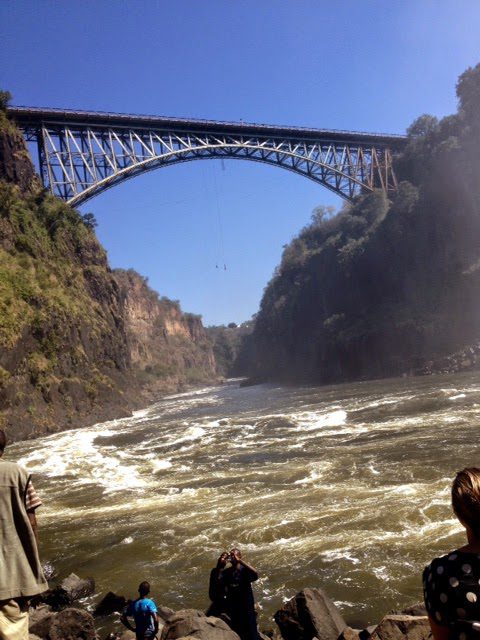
82, 153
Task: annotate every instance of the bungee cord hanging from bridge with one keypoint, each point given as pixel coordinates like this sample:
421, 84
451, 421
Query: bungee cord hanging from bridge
82, 153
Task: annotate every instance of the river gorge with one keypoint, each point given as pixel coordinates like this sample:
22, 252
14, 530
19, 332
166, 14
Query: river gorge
344, 487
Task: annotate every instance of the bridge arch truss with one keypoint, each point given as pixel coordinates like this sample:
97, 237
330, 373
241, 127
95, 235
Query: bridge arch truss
81, 154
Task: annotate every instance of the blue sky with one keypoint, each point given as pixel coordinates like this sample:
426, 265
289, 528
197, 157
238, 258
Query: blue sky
370, 65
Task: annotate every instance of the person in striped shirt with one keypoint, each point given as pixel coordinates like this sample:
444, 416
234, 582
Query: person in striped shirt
21, 574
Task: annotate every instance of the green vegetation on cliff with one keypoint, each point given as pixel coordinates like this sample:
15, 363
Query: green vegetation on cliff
384, 287
77, 340
61, 329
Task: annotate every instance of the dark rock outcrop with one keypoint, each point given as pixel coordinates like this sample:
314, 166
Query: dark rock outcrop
416, 609
190, 623
56, 598
78, 587
168, 348
111, 603
311, 613
15, 164
463, 360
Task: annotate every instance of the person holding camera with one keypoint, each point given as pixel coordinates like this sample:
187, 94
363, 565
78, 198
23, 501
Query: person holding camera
216, 588
231, 593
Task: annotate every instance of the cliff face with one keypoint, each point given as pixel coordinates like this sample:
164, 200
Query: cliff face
385, 287
228, 344
168, 348
78, 342
15, 165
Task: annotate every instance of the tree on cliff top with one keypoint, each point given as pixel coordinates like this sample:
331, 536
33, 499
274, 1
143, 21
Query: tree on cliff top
5, 98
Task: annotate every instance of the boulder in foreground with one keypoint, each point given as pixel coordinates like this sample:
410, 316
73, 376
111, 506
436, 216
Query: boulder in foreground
111, 603
78, 587
402, 627
56, 598
164, 612
40, 621
190, 623
73, 624
310, 614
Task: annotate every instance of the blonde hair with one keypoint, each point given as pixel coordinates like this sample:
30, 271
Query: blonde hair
466, 498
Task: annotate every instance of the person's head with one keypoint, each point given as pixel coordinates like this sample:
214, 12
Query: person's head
144, 589
235, 552
3, 442
466, 499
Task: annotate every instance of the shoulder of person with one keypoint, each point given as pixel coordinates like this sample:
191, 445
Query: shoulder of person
442, 568
151, 604
437, 563
10, 464
15, 468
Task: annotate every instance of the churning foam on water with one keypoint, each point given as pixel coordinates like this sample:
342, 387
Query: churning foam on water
74, 454
407, 489
372, 470
192, 433
316, 473
189, 394
302, 495
381, 573
312, 420
161, 465
339, 554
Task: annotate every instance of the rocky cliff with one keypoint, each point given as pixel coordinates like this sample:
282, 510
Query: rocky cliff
16, 166
385, 286
168, 348
78, 342
228, 344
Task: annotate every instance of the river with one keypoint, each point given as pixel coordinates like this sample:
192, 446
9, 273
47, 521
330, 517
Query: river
345, 487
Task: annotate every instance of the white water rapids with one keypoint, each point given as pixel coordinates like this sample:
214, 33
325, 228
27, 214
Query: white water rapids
344, 487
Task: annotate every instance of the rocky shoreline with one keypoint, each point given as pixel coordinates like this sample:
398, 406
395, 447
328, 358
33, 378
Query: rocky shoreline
133, 399
63, 613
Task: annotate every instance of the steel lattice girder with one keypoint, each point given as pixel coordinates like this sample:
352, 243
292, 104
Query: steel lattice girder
78, 161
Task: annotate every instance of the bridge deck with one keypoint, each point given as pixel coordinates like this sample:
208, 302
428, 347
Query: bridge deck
33, 116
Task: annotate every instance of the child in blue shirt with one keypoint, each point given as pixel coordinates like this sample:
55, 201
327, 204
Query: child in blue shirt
144, 612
